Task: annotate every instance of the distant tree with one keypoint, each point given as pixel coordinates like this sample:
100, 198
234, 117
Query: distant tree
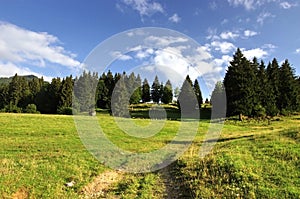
19, 92
4, 95
146, 97
198, 93
187, 99
273, 78
65, 98
287, 100
167, 94
155, 90
218, 100
102, 95
119, 103
85, 91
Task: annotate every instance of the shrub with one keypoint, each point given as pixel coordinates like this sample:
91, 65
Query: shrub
65, 110
30, 108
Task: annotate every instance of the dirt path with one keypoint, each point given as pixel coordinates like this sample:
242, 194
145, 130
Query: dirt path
172, 185
99, 186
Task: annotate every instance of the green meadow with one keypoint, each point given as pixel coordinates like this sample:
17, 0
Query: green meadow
39, 154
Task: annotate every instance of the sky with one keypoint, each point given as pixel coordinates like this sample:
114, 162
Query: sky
52, 38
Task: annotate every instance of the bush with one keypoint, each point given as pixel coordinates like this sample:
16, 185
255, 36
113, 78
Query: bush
31, 108
10, 108
65, 110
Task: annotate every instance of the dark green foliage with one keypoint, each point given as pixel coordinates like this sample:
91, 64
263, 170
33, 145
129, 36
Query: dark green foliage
146, 97
287, 100
198, 93
65, 95
3, 95
85, 91
167, 93
18, 91
31, 108
155, 90
187, 98
120, 102
240, 81
218, 100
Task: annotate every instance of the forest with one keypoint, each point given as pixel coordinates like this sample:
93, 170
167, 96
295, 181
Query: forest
252, 89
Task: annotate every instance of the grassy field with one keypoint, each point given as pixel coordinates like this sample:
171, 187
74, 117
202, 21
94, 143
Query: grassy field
40, 153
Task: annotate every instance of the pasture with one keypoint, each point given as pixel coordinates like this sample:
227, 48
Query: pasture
39, 154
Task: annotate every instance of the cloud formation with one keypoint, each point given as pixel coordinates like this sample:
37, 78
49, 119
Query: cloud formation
263, 16
19, 46
175, 18
144, 7
249, 33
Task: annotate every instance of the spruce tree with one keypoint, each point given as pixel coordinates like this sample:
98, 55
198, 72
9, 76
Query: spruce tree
187, 99
218, 100
198, 93
155, 90
146, 97
239, 84
287, 100
167, 94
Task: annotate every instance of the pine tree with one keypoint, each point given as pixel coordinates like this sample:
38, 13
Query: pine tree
146, 97
198, 93
187, 98
218, 100
265, 93
66, 92
119, 102
155, 90
167, 94
239, 84
85, 91
273, 78
287, 100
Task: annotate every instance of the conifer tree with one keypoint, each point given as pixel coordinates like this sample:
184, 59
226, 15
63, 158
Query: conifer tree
198, 93
155, 90
167, 94
146, 97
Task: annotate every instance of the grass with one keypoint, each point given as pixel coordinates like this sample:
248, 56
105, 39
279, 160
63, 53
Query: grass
40, 153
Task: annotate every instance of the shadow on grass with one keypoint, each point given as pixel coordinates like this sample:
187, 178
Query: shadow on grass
230, 138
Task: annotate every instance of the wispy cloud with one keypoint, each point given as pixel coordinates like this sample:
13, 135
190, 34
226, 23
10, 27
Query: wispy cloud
250, 4
19, 46
297, 51
249, 33
247, 4
229, 35
259, 53
144, 7
287, 5
175, 18
263, 16
224, 47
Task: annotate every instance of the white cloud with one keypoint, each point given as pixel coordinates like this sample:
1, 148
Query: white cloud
229, 35
297, 51
259, 53
118, 55
224, 47
287, 5
165, 40
269, 46
175, 18
142, 54
223, 61
9, 69
145, 7
263, 16
21, 45
250, 4
249, 33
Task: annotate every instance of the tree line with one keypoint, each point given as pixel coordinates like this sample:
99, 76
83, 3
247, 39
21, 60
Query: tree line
91, 91
256, 90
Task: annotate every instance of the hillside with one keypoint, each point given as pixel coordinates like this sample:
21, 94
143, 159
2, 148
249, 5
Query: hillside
7, 80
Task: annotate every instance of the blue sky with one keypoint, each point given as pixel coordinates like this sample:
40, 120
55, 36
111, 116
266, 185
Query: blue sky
53, 38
